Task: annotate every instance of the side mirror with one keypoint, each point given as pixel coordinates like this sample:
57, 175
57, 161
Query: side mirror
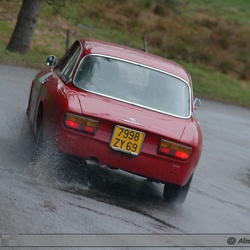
197, 103
51, 61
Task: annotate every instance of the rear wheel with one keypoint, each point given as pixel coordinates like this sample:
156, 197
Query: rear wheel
175, 193
45, 152
39, 144
39, 141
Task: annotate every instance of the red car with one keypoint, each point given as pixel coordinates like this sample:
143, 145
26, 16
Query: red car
120, 107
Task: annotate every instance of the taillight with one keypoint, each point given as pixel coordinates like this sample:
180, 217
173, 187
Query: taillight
81, 123
174, 149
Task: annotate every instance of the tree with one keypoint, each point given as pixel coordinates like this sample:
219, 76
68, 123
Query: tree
25, 26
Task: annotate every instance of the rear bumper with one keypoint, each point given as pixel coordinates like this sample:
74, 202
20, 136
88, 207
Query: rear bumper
146, 164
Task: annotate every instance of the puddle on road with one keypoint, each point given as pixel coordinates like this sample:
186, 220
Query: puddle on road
121, 189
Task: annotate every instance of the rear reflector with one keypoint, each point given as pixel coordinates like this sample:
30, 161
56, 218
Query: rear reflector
174, 149
81, 123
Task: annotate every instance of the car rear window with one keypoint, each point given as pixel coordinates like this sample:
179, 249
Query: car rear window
135, 84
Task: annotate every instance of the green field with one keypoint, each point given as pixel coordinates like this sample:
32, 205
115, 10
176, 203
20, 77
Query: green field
211, 38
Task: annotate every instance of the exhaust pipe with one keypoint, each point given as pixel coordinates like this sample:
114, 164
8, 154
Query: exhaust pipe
93, 161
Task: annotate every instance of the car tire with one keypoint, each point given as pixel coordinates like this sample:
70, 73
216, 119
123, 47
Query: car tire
38, 145
176, 194
64, 167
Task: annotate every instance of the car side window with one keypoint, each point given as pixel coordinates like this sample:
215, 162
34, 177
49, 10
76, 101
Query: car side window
69, 61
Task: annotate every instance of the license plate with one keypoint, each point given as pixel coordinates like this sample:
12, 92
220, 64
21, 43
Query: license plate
127, 140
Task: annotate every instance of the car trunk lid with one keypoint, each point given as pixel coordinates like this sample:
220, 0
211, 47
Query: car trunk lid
125, 114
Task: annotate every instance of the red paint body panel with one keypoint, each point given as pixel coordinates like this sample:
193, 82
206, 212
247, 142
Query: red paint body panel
58, 97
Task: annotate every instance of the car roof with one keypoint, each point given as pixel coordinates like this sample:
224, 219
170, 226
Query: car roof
92, 46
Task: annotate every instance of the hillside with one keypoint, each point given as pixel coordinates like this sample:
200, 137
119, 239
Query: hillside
211, 38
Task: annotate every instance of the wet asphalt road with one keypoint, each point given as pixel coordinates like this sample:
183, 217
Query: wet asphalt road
34, 200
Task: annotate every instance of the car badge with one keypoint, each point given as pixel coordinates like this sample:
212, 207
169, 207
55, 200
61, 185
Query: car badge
133, 121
